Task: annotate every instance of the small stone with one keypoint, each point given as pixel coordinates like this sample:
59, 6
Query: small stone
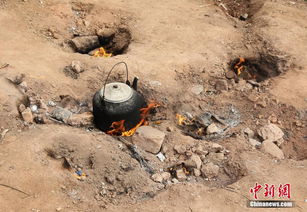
21, 108
200, 151
175, 181
58, 209
221, 85
270, 132
230, 74
262, 103
197, 89
160, 156
27, 115
250, 133
80, 120
23, 86
243, 17
212, 128
149, 139
193, 162
180, 175
169, 129
273, 118
76, 66
216, 147
34, 108
254, 142
210, 170
51, 104
271, 148
166, 176
196, 172
180, 149
157, 177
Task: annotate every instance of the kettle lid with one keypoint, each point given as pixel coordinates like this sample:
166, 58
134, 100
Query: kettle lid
116, 92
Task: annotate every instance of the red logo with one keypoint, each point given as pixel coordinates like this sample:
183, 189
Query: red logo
269, 190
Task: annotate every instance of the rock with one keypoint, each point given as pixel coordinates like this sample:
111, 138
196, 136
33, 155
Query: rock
106, 33
160, 156
197, 89
270, 132
81, 120
216, 158
149, 139
166, 176
23, 86
212, 128
21, 108
157, 177
221, 85
254, 142
271, 148
34, 108
169, 129
27, 115
243, 17
210, 170
249, 132
196, 172
230, 74
193, 162
180, 175
84, 44
61, 114
200, 151
76, 66
51, 104
180, 149
216, 147
175, 181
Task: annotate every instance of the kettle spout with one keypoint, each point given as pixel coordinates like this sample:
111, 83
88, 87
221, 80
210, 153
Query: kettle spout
135, 83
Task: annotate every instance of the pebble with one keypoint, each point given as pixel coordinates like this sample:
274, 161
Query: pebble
197, 89
216, 157
212, 128
166, 176
230, 74
180, 149
243, 17
196, 172
27, 115
250, 133
193, 162
61, 114
149, 139
77, 66
180, 175
221, 85
254, 142
161, 157
51, 103
34, 108
271, 148
210, 170
21, 108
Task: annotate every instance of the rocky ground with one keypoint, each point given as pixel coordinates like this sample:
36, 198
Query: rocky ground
222, 125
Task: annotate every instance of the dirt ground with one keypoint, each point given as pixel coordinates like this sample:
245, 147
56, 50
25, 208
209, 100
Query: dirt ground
182, 51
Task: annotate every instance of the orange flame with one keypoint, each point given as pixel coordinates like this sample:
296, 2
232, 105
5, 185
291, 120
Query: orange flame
181, 119
118, 127
239, 67
102, 53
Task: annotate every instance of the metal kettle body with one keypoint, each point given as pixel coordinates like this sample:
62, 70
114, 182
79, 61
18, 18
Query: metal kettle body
116, 102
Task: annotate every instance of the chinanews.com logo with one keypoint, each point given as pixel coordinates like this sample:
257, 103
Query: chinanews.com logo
282, 191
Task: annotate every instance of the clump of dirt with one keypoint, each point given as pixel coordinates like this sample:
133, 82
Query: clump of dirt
258, 68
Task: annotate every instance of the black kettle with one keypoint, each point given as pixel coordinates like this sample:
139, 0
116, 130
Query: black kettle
118, 101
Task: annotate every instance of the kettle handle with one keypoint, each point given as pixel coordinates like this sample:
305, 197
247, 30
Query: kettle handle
127, 81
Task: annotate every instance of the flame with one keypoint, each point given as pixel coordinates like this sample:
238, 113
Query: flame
118, 128
102, 53
239, 67
181, 119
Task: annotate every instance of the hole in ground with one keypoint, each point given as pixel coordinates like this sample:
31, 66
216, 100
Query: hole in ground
260, 68
113, 42
242, 9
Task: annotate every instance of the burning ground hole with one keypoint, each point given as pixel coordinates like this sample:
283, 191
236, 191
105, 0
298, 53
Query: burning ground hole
259, 69
106, 42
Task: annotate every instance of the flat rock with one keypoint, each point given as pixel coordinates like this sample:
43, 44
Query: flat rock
271, 148
250, 133
84, 44
61, 114
210, 170
221, 85
270, 132
80, 120
157, 177
149, 139
180, 175
180, 149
